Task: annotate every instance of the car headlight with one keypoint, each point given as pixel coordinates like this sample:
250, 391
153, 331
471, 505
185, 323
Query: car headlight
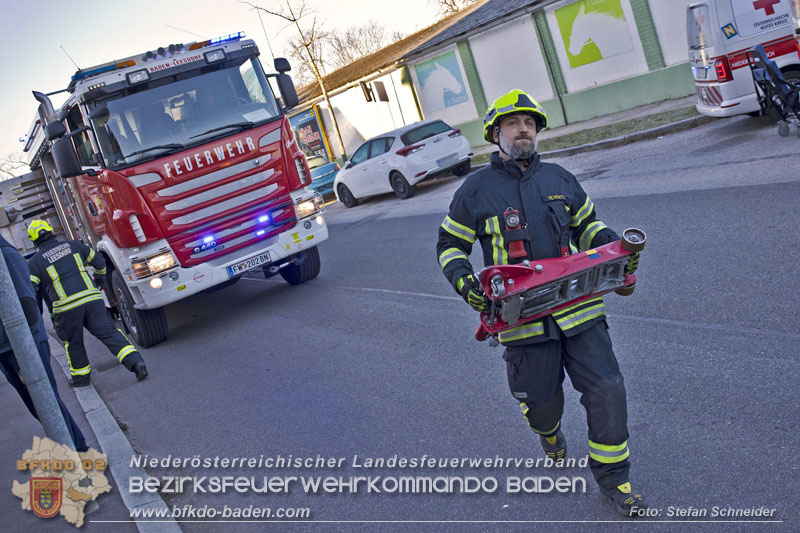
153, 265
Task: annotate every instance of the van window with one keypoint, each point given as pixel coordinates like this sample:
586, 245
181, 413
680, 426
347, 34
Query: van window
698, 28
423, 132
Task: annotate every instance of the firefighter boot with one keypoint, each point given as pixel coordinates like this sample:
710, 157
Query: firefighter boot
554, 446
626, 502
140, 369
79, 381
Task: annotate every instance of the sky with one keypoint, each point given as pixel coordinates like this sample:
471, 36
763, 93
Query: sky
95, 32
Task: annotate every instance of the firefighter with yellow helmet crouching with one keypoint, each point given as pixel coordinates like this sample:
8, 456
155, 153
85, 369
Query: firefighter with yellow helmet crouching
520, 208
58, 273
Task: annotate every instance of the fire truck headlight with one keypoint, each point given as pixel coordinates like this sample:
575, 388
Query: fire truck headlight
320, 220
156, 283
215, 55
305, 208
138, 77
160, 262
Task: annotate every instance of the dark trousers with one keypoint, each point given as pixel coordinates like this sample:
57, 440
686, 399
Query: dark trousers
10, 367
94, 317
536, 375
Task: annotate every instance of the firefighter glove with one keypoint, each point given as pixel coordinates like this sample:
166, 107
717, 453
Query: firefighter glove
469, 289
633, 263
99, 281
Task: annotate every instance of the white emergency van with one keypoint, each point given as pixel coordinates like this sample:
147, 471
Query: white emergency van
720, 32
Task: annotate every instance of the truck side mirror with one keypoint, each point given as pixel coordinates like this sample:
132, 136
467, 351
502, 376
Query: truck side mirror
54, 130
282, 65
66, 159
288, 92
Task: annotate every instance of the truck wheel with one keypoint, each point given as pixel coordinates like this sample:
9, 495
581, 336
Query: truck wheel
401, 187
305, 268
633, 240
146, 327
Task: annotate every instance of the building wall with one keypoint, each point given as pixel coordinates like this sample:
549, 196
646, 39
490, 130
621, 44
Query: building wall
669, 17
437, 77
620, 47
360, 120
508, 57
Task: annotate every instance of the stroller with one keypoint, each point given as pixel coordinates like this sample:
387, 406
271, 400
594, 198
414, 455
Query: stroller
777, 96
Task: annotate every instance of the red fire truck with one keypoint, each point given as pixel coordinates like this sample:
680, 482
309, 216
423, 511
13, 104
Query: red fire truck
720, 32
179, 165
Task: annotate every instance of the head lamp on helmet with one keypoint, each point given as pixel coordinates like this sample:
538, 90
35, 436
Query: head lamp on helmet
38, 228
516, 101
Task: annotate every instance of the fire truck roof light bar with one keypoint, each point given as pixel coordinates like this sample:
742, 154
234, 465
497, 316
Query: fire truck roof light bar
81, 74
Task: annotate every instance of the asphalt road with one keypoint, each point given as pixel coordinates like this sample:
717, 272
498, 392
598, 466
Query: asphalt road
375, 357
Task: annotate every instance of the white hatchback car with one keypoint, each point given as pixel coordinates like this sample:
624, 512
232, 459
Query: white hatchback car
397, 160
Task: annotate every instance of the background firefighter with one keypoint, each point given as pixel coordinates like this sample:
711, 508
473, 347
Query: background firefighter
555, 218
59, 270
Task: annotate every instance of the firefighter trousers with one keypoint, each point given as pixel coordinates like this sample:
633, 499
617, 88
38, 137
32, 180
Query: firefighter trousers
94, 317
536, 374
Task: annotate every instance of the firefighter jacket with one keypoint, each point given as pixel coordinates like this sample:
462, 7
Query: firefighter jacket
59, 270
557, 218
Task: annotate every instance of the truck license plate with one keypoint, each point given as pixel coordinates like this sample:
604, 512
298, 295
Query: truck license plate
248, 264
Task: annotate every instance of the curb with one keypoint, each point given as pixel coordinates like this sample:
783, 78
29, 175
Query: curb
673, 127
118, 450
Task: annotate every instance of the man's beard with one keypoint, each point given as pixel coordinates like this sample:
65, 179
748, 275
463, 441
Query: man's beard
517, 150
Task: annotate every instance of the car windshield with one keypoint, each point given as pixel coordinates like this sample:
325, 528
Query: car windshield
188, 109
423, 132
316, 161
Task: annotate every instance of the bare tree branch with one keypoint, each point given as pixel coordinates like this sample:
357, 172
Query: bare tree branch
12, 164
310, 41
358, 41
448, 7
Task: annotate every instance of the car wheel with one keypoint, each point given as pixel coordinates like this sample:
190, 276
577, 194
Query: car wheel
346, 197
401, 187
462, 169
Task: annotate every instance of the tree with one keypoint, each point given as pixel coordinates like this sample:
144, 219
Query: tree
358, 41
448, 7
307, 42
12, 164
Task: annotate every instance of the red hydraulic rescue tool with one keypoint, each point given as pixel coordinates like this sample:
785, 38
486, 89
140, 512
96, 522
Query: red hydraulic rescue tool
522, 293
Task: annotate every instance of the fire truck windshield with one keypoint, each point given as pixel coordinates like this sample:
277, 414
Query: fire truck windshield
171, 114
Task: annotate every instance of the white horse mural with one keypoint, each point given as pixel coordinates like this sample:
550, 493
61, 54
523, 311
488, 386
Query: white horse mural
437, 82
608, 32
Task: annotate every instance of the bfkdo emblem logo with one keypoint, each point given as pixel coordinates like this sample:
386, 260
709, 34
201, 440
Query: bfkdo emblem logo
46, 496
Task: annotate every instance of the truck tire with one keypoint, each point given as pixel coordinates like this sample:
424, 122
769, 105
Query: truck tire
306, 268
146, 327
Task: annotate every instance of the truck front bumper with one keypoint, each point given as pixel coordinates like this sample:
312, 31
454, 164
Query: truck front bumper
178, 283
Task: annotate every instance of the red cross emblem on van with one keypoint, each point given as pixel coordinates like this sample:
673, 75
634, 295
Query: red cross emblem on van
766, 5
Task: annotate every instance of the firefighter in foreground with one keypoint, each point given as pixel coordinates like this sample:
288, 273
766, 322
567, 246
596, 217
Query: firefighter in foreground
58, 270
556, 218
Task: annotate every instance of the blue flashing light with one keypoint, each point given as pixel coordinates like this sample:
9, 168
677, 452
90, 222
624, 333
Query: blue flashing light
208, 239
226, 38
260, 232
86, 73
263, 218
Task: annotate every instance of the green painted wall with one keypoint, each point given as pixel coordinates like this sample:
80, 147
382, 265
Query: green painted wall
656, 86
473, 79
647, 34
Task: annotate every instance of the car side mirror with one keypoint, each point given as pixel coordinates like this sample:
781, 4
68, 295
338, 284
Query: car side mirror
348, 164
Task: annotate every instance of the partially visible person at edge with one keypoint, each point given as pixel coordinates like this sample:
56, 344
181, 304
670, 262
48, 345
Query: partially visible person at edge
59, 270
558, 219
20, 275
